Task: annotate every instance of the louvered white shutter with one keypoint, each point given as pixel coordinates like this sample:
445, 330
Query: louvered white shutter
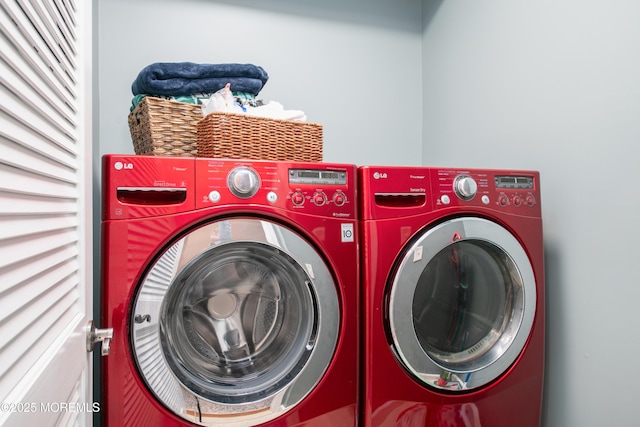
45, 212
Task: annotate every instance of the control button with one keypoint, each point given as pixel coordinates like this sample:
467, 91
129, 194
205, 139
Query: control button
517, 200
485, 199
530, 200
214, 196
503, 200
272, 197
297, 198
445, 199
319, 198
243, 182
339, 199
465, 187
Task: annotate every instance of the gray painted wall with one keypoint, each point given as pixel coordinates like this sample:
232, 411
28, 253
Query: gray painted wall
353, 66
554, 86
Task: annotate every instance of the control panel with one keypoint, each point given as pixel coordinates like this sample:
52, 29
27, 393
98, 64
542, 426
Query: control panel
137, 186
507, 190
392, 191
319, 189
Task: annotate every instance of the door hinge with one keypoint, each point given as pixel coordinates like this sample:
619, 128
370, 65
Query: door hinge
102, 336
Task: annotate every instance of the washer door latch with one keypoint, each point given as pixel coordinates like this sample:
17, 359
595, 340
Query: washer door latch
95, 335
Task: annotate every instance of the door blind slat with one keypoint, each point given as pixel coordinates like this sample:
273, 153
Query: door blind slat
18, 50
67, 17
38, 335
33, 144
24, 33
32, 86
33, 225
14, 107
49, 36
17, 180
24, 249
28, 269
23, 157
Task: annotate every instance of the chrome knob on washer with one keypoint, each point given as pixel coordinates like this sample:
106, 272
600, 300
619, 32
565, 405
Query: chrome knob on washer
465, 187
243, 182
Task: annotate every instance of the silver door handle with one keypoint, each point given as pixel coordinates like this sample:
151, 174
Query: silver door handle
102, 336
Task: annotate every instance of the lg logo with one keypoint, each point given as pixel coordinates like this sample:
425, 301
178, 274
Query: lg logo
120, 165
379, 175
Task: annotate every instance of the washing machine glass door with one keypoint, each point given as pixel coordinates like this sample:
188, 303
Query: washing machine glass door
235, 323
461, 304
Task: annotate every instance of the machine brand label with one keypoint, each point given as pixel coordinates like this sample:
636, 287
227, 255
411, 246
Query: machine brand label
122, 165
379, 175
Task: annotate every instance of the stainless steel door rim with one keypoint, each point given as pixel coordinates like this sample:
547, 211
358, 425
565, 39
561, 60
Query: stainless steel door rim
472, 293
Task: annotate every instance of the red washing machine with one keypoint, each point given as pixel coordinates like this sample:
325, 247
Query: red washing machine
232, 290
453, 297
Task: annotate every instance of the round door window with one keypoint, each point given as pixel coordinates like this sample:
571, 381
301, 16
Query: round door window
236, 321
471, 290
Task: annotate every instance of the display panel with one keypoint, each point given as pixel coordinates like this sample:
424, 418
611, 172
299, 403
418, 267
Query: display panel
316, 176
524, 182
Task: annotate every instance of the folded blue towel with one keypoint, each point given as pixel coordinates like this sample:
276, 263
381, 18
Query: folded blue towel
187, 78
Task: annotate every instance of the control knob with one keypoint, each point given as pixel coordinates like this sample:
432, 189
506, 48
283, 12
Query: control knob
465, 187
339, 199
243, 182
319, 198
297, 198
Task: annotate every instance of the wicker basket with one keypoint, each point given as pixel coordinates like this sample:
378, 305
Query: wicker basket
236, 136
164, 128
169, 128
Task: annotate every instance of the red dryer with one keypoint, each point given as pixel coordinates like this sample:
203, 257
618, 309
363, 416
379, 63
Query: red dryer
453, 286
232, 290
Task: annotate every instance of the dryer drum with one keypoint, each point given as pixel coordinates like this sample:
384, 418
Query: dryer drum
463, 302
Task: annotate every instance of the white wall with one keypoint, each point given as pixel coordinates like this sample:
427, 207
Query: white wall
555, 86
352, 66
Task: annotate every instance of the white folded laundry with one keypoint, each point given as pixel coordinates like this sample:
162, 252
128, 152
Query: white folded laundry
275, 110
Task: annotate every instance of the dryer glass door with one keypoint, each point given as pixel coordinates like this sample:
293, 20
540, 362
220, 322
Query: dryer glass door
472, 294
237, 321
